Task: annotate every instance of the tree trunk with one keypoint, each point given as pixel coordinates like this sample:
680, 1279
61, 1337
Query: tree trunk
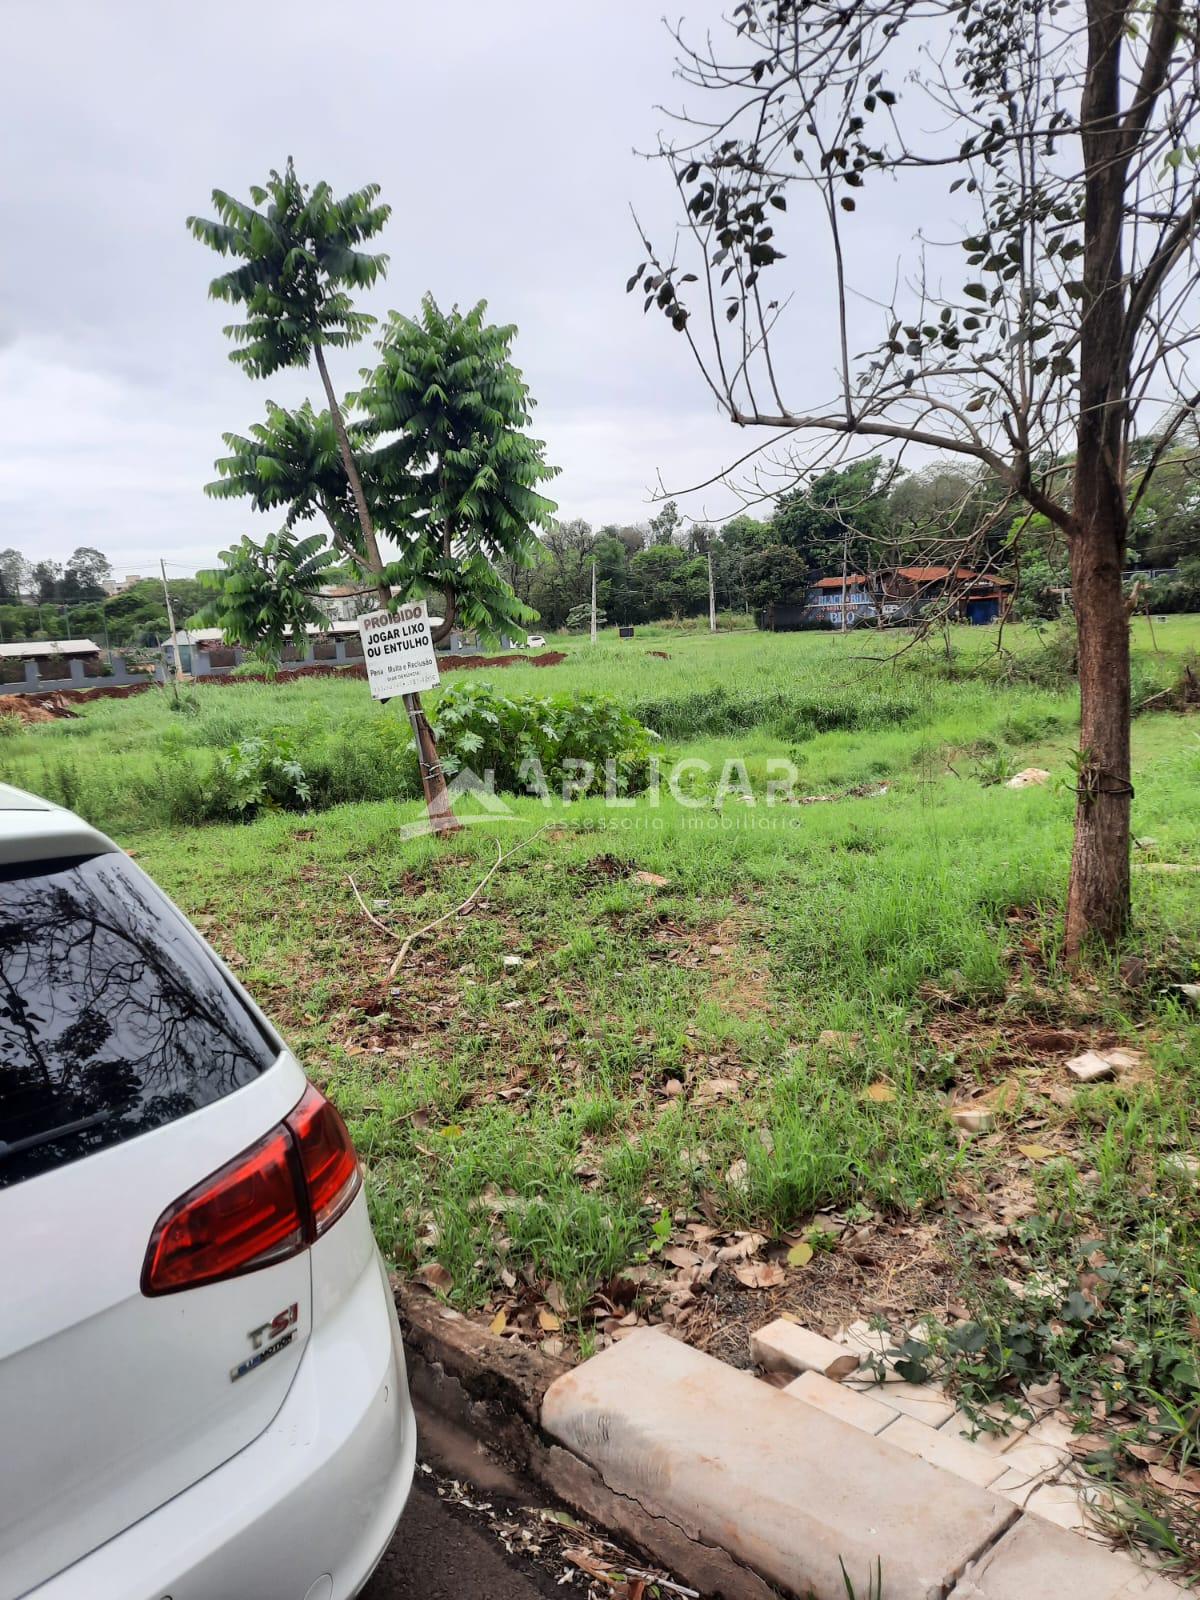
1098, 894
433, 779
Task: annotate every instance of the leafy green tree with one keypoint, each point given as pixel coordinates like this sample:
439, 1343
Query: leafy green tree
668, 582
664, 526
15, 573
139, 615
85, 575
1180, 593
613, 593
562, 577
1165, 521
630, 537
1066, 137
776, 575
838, 515
293, 463
739, 538
449, 412
579, 618
262, 593
299, 257
46, 577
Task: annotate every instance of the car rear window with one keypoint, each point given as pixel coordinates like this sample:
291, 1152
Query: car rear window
114, 1018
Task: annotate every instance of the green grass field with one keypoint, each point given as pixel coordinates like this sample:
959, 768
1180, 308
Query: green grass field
588, 1066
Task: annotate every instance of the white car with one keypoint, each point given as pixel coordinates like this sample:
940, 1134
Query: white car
536, 641
202, 1387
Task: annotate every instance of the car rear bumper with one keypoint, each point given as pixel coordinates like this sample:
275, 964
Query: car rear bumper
307, 1509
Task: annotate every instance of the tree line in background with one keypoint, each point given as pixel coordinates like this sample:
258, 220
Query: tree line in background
860, 517
83, 577
46, 600
867, 514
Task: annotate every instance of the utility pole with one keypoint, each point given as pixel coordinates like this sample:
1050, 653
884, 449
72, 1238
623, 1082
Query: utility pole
593, 602
712, 598
845, 569
171, 624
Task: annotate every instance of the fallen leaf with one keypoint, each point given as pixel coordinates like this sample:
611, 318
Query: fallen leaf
451, 1131
498, 1323
1036, 1152
1176, 1482
548, 1322
760, 1275
714, 1089
679, 1255
880, 1093
651, 878
1088, 1444
1149, 1454
743, 1247
588, 1563
556, 1300
800, 1254
841, 1368
433, 1275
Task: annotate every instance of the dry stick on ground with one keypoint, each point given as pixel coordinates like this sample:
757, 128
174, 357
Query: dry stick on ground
501, 857
369, 914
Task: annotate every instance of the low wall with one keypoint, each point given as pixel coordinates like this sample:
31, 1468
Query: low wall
78, 678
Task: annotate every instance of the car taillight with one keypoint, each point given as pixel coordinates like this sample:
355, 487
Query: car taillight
331, 1170
265, 1205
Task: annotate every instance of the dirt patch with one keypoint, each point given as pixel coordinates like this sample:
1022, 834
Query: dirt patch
34, 708
605, 868
548, 658
52, 705
878, 1269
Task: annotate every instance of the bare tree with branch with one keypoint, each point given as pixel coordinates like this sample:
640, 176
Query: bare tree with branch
1066, 132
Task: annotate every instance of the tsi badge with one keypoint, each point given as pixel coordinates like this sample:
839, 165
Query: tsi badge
268, 1340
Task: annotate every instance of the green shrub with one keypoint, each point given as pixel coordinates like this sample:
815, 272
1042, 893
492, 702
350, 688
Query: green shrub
516, 736
259, 774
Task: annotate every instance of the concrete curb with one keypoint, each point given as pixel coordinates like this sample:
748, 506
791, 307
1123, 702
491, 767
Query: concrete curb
750, 1492
788, 1489
491, 1391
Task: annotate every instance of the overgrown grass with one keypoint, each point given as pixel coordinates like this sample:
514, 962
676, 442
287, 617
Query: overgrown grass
775, 1028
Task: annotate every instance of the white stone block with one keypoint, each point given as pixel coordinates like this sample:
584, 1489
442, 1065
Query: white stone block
836, 1400
865, 1340
787, 1489
995, 1443
924, 1401
1052, 1431
1029, 1467
784, 1346
1037, 1561
1059, 1503
945, 1450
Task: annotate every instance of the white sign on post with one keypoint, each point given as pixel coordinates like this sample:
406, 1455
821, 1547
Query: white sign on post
398, 650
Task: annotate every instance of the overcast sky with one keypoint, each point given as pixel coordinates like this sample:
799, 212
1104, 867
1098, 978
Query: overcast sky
503, 136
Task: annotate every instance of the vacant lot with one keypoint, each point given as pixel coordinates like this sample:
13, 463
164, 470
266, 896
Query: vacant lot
697, 1059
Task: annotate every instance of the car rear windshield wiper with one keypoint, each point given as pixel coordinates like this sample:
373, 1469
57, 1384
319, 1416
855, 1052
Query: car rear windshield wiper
16, 1147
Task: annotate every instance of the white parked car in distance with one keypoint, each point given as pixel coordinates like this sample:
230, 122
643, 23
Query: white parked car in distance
535, 641
202, 1387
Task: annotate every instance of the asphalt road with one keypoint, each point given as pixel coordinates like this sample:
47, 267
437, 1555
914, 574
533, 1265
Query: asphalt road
439, 1553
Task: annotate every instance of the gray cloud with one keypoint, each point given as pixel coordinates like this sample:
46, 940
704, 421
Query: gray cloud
503, 136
